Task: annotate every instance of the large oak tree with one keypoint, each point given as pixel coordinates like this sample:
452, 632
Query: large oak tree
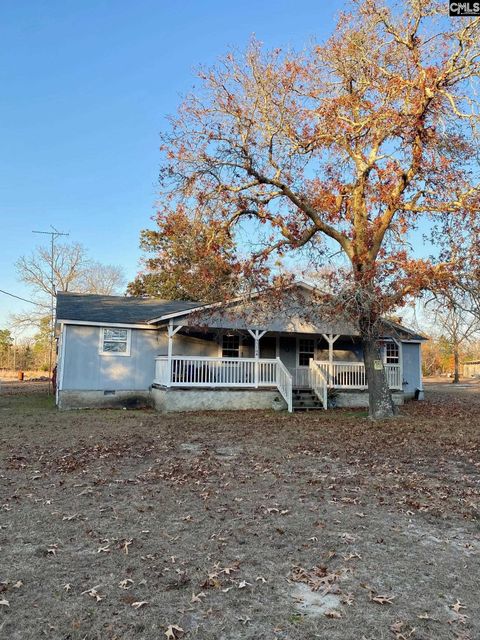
350, 143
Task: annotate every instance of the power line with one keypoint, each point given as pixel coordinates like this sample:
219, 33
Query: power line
38, 304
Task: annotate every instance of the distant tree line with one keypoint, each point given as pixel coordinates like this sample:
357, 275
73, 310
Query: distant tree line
28, 353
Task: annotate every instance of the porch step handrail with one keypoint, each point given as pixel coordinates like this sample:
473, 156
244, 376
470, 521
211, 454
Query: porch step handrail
318, 382
284, 384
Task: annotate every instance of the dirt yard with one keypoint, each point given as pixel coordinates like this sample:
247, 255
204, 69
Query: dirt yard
132, 525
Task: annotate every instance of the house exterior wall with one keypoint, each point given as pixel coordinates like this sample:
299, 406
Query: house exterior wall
90, 379
188, 346
288, 351
111, 399
344, 350
84, 368
412, 374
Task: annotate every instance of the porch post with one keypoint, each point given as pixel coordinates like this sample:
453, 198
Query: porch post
330, 338
171, 333
256, 335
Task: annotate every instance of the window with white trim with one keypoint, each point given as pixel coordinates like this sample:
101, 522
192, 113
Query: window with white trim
115, 342
392, 355
306, 351
231, 346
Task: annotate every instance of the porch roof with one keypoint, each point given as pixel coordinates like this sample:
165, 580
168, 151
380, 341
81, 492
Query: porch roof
291, 315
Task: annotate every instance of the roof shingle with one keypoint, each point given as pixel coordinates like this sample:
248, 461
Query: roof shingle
115, 309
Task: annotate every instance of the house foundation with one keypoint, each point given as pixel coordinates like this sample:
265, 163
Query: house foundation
178, 399
359, 399
105, 399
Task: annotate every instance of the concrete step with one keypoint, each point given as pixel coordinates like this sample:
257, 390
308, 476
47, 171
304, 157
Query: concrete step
305, 400
312, 404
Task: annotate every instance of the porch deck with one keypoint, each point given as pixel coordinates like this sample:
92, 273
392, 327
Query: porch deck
256, 373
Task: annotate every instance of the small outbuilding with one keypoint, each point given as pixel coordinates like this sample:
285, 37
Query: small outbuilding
471, 369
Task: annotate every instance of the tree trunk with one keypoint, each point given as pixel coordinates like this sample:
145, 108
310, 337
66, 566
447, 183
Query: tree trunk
380, 401
456, 361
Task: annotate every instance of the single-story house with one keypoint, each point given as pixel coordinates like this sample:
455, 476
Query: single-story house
471, 369
250, 353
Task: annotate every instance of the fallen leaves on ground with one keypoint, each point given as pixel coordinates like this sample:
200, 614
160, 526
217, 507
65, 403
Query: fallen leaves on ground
173, 631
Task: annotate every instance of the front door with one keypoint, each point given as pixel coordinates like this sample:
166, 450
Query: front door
305, 353
268, 347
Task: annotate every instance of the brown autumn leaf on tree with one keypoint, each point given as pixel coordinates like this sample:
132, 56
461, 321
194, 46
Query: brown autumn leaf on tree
189, 258
344, 148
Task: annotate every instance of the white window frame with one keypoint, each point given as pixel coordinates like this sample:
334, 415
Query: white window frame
222, 346
298, 350
393, 345
114, 353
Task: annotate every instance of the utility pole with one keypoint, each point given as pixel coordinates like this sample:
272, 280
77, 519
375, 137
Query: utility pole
53, 236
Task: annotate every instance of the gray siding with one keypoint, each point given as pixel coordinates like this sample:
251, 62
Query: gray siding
288, 351
411, 367
187, 346
85, 369
344, 350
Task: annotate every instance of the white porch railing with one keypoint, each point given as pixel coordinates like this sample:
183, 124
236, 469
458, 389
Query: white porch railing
199, 371
161, 371
351, 375
394, 376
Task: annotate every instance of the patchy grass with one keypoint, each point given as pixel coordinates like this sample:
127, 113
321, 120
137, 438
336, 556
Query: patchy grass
118, 524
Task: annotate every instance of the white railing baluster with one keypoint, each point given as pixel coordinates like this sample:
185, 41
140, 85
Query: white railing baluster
352, 375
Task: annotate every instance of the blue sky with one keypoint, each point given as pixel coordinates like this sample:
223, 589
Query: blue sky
86, 86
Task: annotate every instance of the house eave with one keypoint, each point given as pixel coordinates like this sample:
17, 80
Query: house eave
96, 323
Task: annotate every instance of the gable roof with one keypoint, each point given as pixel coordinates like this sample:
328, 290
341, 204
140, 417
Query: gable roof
83, 307
183, 312
390, 327
403, 332
123, 310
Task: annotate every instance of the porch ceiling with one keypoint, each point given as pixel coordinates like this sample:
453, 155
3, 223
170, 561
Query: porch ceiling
211, 332
208, 332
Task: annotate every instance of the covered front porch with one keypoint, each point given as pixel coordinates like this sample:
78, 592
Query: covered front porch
259, 360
